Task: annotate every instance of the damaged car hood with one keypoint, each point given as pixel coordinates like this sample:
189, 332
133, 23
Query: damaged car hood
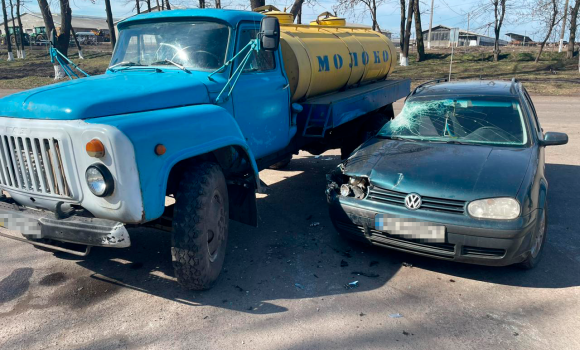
464, 172
105, 95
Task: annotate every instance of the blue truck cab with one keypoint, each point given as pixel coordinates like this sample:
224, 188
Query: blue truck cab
166, 144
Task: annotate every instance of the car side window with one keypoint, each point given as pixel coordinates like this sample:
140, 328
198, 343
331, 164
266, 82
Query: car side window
259, 61
533, 110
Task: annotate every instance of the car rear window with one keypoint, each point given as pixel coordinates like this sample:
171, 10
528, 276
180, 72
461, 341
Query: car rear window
478, 120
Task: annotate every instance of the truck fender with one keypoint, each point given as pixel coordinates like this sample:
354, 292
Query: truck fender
186, 132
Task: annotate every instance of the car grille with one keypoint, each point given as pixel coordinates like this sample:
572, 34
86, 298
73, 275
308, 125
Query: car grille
382, 195
33, 165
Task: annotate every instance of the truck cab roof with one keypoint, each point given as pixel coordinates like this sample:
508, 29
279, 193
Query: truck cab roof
233, 17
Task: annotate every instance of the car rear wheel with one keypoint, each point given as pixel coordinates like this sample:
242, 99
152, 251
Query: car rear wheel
538, 242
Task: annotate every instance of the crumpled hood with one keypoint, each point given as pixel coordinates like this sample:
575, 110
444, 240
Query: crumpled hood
462, 172
105, 95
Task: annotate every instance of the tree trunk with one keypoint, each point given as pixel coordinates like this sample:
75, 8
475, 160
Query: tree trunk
405, 56
295, 9
299, 17
167, 5
47, 17
16, 39
257, 3
137, 6
148, 2
402, 35
110, 22
78, 45
499, 5
551, 27
218, 4
374, 16
22, 53
419, 33
573, 28
7, 37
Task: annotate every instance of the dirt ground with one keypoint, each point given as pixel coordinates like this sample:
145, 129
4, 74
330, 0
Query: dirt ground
282, 286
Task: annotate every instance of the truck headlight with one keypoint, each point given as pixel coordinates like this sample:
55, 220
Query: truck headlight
494, 208
100, 180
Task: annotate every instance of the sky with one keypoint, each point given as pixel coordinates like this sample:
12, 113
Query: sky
452, 13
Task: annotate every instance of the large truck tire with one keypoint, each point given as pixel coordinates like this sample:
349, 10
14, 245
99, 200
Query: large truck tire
200, 226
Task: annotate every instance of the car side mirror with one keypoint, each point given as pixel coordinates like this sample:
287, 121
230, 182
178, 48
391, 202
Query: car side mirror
269, 35
554, 139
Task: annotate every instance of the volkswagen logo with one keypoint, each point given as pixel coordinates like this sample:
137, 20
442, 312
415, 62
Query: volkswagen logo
413, 201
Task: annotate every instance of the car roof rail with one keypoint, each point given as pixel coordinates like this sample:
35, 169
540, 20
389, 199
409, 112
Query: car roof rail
514, 85
430, 82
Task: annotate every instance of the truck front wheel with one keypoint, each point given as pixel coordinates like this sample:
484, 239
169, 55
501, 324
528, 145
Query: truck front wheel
200, 226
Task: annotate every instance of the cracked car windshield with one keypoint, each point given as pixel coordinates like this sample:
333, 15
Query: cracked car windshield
464, 120
195, 45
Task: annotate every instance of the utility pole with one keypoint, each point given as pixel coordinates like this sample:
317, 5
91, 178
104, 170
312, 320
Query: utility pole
563, 27
430, 26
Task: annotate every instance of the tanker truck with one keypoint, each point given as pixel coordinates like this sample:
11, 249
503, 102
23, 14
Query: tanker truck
193, 105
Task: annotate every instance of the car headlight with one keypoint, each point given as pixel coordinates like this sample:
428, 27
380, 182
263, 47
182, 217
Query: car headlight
494, 208
99, 180
355, 187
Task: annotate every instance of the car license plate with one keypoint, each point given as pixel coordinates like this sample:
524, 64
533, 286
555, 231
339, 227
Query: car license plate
410, 228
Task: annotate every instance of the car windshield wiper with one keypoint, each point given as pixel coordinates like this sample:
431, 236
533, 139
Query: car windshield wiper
165, 61
125, 64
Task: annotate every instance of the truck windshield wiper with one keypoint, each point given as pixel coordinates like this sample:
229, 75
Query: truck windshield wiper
165, 61
125, 64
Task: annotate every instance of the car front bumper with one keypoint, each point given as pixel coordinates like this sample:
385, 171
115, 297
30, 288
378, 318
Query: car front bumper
42, 224
468, 240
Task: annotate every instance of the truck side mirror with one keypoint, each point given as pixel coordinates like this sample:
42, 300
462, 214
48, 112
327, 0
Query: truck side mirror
53, 38
269, 35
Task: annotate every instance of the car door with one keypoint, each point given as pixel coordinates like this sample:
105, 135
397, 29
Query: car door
261, 98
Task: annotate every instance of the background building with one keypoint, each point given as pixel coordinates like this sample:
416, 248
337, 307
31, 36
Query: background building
33, 20
440, 36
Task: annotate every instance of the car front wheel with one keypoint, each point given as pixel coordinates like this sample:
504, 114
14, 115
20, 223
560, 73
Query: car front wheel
538, 242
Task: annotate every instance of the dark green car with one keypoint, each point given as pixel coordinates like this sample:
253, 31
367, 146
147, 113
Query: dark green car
457, 175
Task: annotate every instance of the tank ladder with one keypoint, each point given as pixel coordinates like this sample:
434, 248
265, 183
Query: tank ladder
318, 121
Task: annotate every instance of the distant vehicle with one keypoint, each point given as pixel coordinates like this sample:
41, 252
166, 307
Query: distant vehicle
457, 175
39, 35
87, 38
15, 38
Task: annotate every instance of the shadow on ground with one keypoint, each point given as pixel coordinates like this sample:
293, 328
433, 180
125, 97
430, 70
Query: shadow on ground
295, 253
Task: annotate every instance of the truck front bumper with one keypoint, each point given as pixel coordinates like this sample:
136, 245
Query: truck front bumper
41, 224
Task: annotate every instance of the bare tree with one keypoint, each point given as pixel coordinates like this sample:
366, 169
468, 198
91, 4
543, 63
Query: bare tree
20, 30
137, 6
110, 22
256, 3
573, 28
296, 10
354, 7
148, 2
407, 38
17, 41
7, 37
77, 44
548, 10
499, 8
167, 5
218, 4
402, 34
419, 33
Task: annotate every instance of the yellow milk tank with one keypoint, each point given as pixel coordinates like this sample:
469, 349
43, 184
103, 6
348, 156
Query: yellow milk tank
322, 58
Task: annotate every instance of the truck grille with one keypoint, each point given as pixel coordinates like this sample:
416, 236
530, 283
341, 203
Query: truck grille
382, 195
33, 165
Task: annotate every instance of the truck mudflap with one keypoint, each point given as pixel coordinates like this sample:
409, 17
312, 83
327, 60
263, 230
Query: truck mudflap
41, 224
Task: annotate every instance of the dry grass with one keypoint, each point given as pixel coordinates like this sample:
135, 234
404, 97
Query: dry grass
552, 75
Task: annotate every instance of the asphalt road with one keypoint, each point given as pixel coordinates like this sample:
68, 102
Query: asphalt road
283, 285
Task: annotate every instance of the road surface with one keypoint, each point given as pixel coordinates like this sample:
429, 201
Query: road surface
283, 285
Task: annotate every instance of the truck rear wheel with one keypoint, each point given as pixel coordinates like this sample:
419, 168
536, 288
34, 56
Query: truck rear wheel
200, 226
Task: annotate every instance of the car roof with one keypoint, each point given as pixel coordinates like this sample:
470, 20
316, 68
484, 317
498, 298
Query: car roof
232, 17
469, 87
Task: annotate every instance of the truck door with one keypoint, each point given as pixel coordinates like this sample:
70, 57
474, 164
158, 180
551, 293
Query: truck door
261, 99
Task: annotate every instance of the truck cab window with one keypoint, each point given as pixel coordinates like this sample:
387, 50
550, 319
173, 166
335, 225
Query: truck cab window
259, 61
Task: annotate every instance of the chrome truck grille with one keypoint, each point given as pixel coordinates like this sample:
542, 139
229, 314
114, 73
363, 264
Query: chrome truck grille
33, 164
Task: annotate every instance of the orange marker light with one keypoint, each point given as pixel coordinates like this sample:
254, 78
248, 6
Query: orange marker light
95, 148
160, 150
